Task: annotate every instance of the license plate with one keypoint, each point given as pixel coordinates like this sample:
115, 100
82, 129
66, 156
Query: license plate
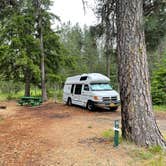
112, 105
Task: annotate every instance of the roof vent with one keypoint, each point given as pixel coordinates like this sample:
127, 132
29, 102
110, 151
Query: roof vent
83, 78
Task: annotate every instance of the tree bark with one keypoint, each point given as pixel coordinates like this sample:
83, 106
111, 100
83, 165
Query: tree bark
43, 84
108, 48
108, 38
138, 120
37, 4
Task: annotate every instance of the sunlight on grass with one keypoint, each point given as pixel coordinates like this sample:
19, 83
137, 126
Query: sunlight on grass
161, 108
19, 94
155, 149
52, 94
154, 156
108, 134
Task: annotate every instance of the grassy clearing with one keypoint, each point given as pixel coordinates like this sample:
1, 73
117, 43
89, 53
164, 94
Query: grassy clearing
10, 96
153, 156
53, 94
57, 95
34, 92
161, 108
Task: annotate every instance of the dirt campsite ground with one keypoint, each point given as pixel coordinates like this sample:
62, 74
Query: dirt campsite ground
54, 134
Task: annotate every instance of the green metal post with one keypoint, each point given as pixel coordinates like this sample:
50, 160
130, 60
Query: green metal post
116, 133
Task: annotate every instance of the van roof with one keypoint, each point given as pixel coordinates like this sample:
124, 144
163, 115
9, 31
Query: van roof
87, 78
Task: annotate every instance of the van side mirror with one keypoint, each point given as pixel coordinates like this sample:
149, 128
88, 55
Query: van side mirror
86, 88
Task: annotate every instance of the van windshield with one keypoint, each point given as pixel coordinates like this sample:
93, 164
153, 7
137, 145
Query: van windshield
100, 87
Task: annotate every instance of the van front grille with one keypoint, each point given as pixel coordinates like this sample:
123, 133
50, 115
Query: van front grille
106, 99
114, 98
110, 99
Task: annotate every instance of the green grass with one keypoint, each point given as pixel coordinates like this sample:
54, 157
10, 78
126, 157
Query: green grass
155, 149
1, 119
153, 156
55, 94
161, 108
58, 94
146, 154
141, 155
11, 96
108, 134
4, 97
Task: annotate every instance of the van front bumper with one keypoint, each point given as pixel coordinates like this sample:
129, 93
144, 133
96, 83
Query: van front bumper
106, 105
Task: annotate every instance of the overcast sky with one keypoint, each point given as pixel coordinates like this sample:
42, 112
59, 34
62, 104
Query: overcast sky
73, 10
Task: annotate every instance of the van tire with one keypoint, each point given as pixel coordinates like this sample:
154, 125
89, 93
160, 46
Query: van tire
69, 102
113, 109
90, 106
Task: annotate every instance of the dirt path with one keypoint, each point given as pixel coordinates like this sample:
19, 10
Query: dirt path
55, 134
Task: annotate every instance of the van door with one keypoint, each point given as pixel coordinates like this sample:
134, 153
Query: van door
85, 94
77, 95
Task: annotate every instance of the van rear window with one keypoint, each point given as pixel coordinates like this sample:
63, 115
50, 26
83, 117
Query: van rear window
72, 88
83, 78
78, 89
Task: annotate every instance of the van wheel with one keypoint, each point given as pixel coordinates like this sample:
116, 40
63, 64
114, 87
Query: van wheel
113, 108
90, 106
69, 102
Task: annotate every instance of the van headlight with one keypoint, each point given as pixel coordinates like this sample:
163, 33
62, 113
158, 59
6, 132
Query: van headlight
96, 98
118, 97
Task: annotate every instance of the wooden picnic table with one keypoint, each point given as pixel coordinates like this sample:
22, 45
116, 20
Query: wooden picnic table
30, 100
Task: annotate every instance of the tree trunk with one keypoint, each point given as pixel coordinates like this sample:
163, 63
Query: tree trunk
43, 85
38, 14
108, 44
108, 60
27, 82
138, 121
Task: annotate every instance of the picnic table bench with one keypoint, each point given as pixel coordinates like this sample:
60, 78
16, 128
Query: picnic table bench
30, 100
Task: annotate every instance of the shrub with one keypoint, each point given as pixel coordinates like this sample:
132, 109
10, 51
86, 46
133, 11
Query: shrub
159, 84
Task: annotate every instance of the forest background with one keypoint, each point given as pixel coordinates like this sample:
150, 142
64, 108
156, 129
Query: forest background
69, 49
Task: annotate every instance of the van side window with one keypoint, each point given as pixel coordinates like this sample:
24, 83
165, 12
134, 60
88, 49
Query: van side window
72, 88
86, 88
78, 89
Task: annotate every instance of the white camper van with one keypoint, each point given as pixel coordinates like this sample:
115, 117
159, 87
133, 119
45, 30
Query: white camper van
90, 91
